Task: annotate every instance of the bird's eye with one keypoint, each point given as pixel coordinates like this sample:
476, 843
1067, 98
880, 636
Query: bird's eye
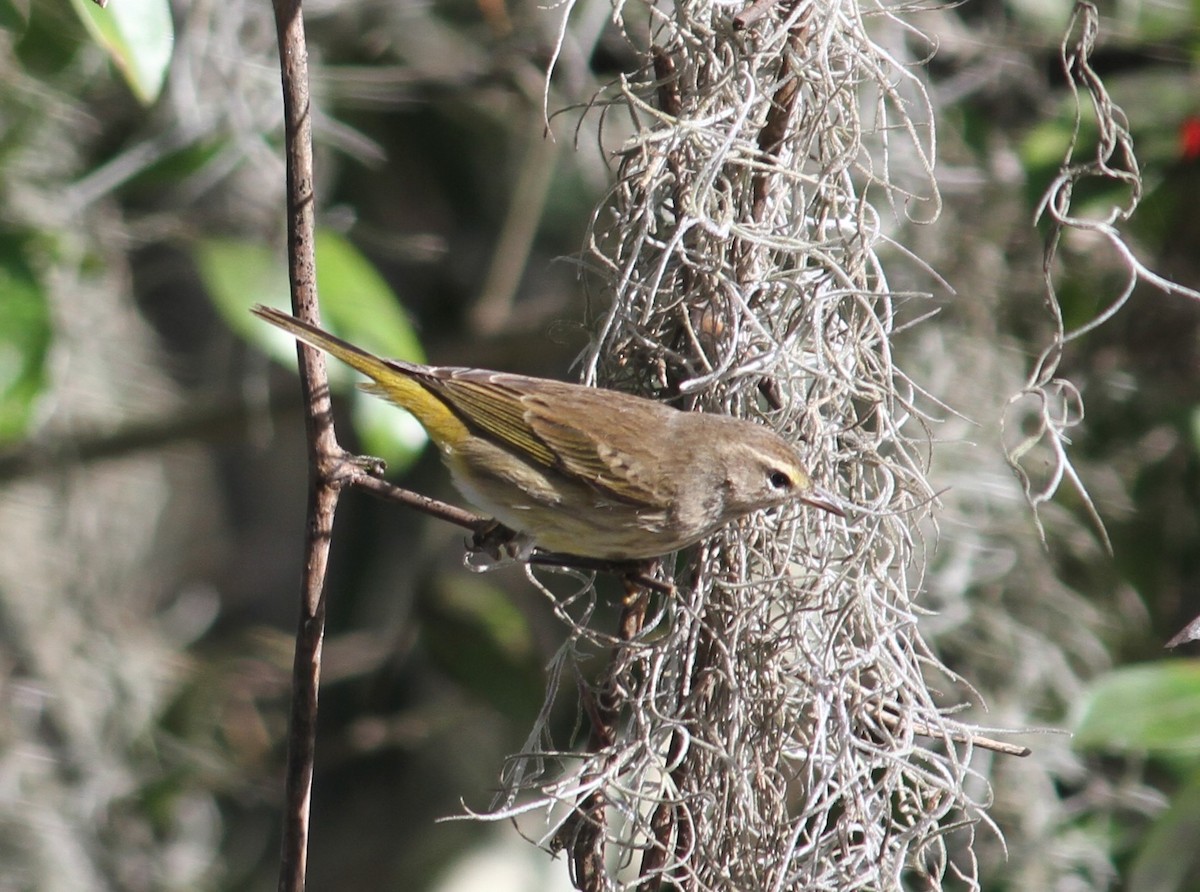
779, 480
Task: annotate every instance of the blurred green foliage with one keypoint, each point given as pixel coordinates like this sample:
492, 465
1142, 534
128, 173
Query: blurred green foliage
139, 37
24, 337
1153, 709
437, 659
356, 304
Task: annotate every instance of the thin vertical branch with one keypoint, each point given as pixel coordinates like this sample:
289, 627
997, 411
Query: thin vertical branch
324, 452
330, 466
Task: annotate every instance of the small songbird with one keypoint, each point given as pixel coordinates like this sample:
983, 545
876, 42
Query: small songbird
580, 470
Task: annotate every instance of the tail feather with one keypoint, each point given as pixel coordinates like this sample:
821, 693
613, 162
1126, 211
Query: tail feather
368, 363
399, 382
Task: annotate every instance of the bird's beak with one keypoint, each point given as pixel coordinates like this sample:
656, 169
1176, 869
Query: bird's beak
826, 501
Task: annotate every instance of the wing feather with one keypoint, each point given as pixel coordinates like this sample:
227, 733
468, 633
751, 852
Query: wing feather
594, 436
605, 447
488, 403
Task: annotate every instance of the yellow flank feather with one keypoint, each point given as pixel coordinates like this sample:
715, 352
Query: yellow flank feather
392, 380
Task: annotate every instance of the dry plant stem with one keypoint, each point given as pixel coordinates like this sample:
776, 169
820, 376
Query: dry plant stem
892, 721
752, 14
325, 456
366, 480
668, 84
670, 101
588, 822
674, 819
670, 820
775, 128
978, 740
662, 824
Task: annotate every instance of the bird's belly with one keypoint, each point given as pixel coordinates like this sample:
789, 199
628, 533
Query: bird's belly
568, 517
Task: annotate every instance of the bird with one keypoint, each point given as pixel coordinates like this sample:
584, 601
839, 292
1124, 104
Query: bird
584, 471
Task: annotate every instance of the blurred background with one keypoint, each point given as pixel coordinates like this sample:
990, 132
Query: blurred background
152, 464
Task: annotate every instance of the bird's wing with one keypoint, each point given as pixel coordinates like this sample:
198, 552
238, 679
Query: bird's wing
494, 404
578, 431
596, 442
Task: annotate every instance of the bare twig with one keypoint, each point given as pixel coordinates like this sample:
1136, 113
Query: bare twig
375, 486
752, 14
978, 740
584, 831
774, 130
325, 456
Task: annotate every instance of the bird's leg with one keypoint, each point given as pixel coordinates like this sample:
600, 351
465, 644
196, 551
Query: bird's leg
499, 542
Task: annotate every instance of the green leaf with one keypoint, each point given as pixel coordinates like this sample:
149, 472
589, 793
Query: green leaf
239, 274
139, 37
24, 340
1168, 854
356, 304
1150, 708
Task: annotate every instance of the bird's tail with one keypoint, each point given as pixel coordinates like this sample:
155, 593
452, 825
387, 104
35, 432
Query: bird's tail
374, 367
400, 382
